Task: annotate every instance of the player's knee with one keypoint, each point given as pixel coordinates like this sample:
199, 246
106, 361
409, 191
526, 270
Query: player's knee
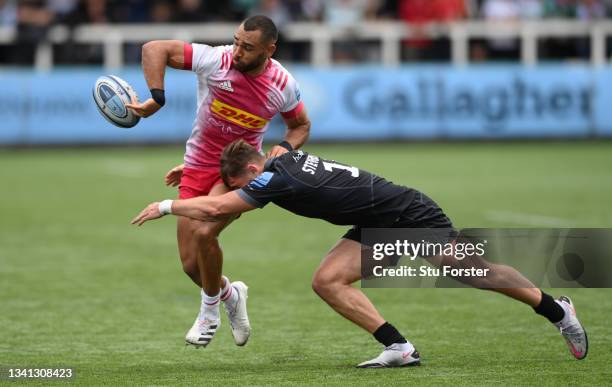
318, 287
324, 283
205, 235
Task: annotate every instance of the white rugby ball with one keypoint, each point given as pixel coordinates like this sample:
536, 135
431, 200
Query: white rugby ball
110, 94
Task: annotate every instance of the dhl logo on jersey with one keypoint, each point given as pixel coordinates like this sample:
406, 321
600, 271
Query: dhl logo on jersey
238, 116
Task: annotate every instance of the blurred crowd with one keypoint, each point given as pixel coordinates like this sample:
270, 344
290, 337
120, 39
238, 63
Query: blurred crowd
33, 18
46, 12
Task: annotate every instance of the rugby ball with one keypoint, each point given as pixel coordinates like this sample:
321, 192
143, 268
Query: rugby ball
110, 94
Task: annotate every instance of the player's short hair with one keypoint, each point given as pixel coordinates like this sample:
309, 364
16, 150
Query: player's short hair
235, 158
269, 32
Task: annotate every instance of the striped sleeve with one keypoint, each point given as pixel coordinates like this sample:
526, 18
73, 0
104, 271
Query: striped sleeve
204, 59
290, 89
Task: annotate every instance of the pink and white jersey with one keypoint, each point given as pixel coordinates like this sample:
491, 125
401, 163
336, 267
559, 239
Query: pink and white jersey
232, 104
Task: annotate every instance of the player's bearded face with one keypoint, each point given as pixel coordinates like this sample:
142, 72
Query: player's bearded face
244, 66
250, 52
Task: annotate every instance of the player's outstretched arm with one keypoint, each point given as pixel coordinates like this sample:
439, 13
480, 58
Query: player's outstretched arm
156, 55
202, 208
211, 207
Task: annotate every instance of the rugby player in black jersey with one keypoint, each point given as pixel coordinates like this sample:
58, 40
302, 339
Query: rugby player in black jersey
340, 194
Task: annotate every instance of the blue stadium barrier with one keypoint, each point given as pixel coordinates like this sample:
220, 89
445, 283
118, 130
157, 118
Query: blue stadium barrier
344, 103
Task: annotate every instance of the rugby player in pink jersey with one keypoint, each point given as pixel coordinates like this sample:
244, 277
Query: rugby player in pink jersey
240, 89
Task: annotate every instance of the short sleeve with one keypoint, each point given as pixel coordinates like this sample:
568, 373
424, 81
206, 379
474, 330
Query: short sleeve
205, 59
293, 104
265, 188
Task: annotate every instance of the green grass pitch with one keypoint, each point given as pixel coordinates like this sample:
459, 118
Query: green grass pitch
80, 287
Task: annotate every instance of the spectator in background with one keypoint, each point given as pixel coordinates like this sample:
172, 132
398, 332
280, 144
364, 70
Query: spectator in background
558, 48
129, 11
198, 11
86, 12
569, 48
388, 10
608, 6
344, 13
560, 8
531, 9
372, 9
95, 12
8, 13
8, 19
312, 9
421, 12
64, 12
295, 9
418, 14
240, 7
512, 10
502, 11
62, 9
590, 10
162, 11
275, 10
33, 21
191, 11
349, 14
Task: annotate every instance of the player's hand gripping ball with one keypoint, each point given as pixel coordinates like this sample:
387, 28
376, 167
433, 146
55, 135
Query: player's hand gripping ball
111, 95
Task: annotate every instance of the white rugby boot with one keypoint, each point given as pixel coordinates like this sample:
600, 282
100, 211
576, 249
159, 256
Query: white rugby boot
395, 355
571, 329
202, 332
237, 314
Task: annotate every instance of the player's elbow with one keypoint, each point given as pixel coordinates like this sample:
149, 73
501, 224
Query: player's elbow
154, 48
149, 47
148, 51
306, 124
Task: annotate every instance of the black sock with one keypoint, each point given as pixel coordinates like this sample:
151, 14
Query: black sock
387, 335
550, 309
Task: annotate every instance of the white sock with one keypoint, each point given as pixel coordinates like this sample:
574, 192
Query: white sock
210, 307
229, 296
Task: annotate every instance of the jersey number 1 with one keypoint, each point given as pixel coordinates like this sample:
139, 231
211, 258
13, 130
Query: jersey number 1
330, 166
